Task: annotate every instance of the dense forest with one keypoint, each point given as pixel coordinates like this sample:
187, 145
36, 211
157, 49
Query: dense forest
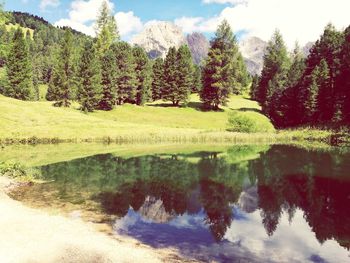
104, 72
314, 91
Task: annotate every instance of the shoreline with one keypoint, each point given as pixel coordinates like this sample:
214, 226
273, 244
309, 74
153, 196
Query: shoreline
33, 235
303, 135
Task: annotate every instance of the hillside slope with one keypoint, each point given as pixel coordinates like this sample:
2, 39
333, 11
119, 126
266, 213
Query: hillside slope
19, 119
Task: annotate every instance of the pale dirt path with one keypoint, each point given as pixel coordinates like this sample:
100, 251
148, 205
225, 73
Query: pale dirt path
28, 235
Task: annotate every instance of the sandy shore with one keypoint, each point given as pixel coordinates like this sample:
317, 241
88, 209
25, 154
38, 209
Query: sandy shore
29, 235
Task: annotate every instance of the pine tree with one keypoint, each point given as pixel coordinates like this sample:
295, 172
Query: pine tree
297, 67
62, 77
224, 71
181, 76
143, 74
106, 29
327, 48
274, 74
319, 84
4, 44
170, 75
108, 80
343, 79
89, 79
126, 84
254, 87
197, 79
284, 106
19, 71
157, 79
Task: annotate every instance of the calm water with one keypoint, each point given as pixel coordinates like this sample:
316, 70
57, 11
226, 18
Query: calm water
246, 204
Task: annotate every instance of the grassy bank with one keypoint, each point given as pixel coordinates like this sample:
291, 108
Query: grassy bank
39, 122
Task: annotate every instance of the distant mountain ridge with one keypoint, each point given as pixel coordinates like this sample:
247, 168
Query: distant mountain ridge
158, 37
253, 49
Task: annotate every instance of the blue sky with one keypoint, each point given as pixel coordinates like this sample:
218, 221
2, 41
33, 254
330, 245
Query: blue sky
298, 20
144, 9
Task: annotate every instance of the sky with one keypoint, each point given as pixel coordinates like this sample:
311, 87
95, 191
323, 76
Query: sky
297, 20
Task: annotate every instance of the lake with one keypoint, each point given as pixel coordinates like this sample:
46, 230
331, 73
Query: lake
241, 203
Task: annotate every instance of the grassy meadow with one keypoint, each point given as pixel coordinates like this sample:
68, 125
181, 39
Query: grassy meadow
20, 119
240, 121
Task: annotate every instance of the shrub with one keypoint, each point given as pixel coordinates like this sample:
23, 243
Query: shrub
249, 122
17, 171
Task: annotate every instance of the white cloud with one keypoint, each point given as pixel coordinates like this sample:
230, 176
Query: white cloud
299, 20
128, 23
46, 3
83, 14
84, 11
234, 2
198, 24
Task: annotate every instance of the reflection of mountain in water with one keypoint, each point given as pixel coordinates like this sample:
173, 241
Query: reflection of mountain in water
153, 209
214, 191
248, 200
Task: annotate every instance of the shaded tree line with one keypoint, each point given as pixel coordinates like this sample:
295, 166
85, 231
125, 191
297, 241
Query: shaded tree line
313, 91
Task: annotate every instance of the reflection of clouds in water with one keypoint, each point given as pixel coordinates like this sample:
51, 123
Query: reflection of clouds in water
245, 239
188, 221
293, 242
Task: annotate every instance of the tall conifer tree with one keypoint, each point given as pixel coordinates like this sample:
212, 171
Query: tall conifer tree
197, 79
89, 90
274, 74
327, 48
126, 84
224, 71
157, 79
318, 84
143, 75
183, 77
109, 75
62, 79
19, 70
170, 76
106, 29
343, 80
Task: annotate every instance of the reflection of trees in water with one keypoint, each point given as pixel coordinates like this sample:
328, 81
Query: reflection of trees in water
174, 181
307, 180
287, 178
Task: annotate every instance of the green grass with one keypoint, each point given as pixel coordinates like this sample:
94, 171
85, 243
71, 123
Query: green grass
40, 155
42, 92
40, 122
20, 119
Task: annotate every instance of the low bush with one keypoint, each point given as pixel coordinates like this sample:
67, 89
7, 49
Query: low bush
249, 122
18, 171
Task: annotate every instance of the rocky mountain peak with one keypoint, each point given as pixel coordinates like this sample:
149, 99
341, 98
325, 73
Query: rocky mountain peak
199, 46
158, 37
253, 49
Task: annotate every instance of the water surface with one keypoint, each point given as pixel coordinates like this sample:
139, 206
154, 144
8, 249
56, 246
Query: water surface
246, 203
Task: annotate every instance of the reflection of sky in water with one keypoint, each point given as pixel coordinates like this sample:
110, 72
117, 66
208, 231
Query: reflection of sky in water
245, 239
